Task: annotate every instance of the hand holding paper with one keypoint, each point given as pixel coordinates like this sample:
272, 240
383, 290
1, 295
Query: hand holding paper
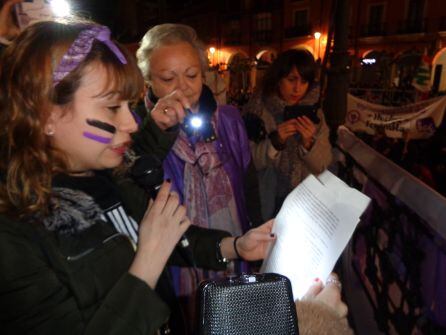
313, 227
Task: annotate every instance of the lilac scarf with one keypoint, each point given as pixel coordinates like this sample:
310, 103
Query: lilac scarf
208, 194
211, 171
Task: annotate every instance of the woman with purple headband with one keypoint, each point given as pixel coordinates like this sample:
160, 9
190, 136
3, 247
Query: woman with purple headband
77, 256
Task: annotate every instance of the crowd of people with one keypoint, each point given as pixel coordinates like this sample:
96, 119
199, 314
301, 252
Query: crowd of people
83, 247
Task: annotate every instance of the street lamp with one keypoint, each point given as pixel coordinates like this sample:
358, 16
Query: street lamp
212, 51
317, 37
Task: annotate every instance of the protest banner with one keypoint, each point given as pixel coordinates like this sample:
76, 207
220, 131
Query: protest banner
414, 121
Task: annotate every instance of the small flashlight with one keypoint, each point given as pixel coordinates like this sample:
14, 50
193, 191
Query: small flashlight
193, 120
199, 124
196, 122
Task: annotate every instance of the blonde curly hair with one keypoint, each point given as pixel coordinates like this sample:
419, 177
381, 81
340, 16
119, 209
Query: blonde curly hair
168, 34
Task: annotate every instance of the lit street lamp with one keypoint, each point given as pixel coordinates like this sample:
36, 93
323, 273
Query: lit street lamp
317, 37
212, 51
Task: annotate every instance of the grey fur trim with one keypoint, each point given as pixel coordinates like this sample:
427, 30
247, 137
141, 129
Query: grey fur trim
72, 211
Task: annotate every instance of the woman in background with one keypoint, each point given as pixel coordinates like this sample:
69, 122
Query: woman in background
297, 146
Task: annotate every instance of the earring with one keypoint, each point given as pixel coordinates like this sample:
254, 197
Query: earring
49, 131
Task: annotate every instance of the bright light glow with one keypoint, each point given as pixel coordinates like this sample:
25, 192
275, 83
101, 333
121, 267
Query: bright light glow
369, 61
212, 50
196, 122
60, 8
317, 35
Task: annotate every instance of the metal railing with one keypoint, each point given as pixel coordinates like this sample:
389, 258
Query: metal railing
398, 250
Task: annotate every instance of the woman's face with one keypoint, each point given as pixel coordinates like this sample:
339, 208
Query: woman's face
176, 67
293, 87
94, 129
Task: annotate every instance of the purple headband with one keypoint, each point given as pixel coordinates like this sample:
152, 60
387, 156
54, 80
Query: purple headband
81, 47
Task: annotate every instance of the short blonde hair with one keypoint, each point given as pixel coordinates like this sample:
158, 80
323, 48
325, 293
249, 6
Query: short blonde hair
168, 34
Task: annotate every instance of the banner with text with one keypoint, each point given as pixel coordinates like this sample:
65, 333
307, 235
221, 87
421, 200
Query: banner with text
414, 121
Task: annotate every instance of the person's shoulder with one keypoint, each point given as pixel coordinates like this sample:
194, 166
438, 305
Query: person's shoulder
255, 104
7, 223
321, 114
229, 113
12, 224
12, 231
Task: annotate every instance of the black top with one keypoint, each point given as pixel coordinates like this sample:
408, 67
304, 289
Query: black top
106, 195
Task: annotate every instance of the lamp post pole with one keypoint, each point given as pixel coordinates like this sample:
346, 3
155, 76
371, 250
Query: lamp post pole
319, 49
335, 104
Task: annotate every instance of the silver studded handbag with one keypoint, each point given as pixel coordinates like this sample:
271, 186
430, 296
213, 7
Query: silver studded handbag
248, 304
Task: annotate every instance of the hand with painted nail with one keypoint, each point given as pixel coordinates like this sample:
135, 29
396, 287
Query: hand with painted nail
170, 110
251, 246
161, 228
328, 294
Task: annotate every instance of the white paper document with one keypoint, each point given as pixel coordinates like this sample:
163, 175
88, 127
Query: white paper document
313, 227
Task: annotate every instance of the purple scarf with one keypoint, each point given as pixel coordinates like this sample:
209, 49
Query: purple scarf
232, 147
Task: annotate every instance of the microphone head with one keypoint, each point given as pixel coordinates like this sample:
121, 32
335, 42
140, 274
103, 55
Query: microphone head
147, 171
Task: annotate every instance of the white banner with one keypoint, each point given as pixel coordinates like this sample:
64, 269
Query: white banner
414, 121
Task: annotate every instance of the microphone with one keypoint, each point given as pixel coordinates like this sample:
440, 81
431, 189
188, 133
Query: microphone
147, 171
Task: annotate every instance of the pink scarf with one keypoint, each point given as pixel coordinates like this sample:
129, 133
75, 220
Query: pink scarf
210, 203
208, 194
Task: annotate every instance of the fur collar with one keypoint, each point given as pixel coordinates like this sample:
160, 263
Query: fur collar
71, 212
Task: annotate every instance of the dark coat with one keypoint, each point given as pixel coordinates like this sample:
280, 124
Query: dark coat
79, 283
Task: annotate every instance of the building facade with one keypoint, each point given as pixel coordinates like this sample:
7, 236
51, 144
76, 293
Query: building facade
387, 38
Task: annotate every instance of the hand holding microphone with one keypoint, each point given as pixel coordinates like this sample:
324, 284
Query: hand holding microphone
163, 224
148, 172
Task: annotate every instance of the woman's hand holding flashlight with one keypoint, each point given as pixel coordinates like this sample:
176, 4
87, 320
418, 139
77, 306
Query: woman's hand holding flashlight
170, 110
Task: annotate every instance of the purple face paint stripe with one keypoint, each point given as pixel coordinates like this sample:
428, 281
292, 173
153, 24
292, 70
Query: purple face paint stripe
101, 125
97, 138
137, 118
